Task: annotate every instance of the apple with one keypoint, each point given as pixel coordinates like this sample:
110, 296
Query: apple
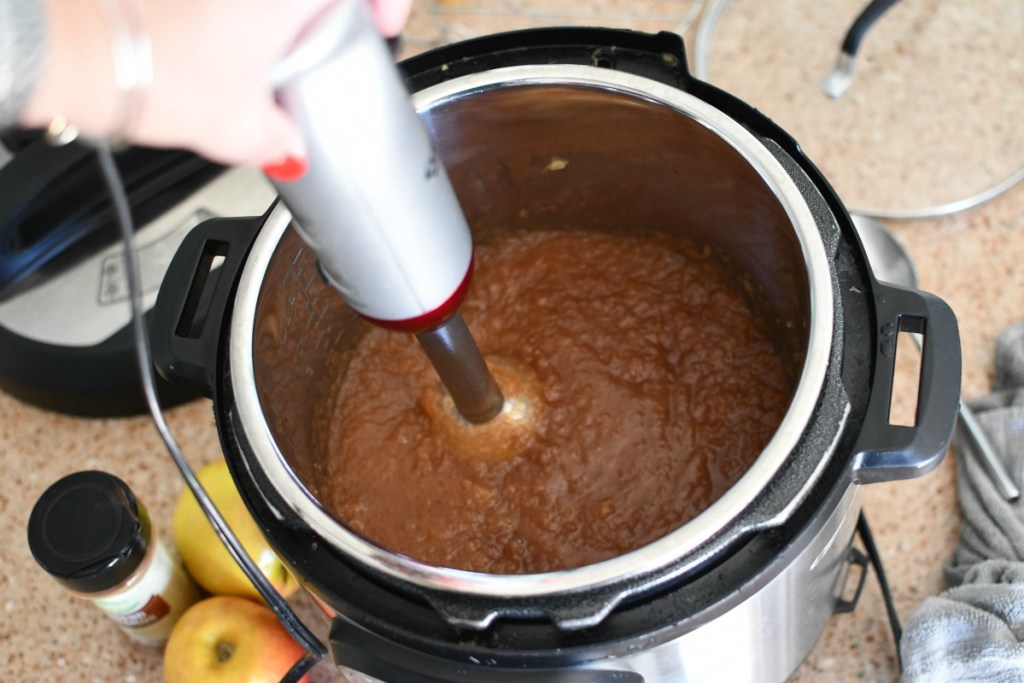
201, 550
227, 639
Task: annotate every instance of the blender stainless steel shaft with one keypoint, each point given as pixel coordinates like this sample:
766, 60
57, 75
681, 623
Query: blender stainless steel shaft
375, 203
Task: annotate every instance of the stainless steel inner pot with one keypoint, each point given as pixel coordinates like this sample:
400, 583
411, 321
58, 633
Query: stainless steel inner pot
637, 156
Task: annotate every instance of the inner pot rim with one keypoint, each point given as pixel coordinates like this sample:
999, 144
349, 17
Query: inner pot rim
646, 559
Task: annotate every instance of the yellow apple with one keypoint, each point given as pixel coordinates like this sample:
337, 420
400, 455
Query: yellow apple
227, 639
205, 557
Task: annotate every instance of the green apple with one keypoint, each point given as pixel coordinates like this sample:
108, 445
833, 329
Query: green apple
227, 639
202, 552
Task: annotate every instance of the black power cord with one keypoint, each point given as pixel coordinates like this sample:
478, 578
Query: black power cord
876, 561
864, 21
315, 649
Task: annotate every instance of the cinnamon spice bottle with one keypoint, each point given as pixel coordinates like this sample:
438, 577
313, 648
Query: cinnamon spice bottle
90, 532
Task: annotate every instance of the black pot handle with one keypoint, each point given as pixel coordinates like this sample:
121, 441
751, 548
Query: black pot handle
189, 314
887, 452
357, 648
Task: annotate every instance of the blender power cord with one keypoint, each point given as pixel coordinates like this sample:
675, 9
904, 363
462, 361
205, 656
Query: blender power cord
315, 649
868, 539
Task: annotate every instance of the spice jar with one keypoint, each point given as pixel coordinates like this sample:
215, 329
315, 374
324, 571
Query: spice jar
90, 533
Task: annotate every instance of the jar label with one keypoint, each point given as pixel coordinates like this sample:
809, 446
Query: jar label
141, 603
152, 612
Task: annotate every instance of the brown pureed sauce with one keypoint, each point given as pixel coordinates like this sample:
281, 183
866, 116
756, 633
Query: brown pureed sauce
658, 386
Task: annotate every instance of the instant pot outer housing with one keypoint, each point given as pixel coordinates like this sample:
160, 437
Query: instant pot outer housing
743, 591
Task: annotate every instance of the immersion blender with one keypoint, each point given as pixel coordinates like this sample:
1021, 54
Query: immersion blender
375, 203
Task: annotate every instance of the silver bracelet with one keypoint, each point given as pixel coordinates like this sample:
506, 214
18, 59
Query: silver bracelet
132, 62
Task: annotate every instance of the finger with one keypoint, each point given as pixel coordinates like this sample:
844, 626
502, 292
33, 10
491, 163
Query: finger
257, 140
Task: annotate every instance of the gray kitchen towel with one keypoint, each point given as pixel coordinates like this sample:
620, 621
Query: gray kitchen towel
974, 631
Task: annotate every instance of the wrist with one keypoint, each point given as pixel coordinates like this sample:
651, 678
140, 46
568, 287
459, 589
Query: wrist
97, 67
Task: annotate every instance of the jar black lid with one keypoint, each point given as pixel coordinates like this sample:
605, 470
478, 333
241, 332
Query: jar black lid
88, 531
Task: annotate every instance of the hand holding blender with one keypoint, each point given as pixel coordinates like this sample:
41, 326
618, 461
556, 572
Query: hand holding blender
374, 202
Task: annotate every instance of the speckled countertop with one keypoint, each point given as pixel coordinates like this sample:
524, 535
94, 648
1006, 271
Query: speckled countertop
928, 120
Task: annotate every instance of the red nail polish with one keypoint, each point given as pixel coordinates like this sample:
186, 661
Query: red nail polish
291, 169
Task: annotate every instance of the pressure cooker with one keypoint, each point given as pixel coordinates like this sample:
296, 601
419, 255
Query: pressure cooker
740, 593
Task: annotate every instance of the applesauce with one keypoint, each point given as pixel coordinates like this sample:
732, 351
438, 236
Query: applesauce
657, 388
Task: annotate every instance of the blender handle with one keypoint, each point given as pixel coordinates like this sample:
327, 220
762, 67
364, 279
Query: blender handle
366, 652
887, 452
191, 307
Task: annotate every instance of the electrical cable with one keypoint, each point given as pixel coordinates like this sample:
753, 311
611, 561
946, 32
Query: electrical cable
876, 561
859, 28
311, 644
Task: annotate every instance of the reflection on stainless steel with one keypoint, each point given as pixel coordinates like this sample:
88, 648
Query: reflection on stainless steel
767, 635
891, 263
888, 259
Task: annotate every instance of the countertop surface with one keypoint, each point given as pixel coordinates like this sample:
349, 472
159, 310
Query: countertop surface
879, 149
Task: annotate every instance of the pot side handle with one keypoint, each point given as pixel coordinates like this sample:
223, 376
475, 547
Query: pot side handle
195, 295
887, 452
